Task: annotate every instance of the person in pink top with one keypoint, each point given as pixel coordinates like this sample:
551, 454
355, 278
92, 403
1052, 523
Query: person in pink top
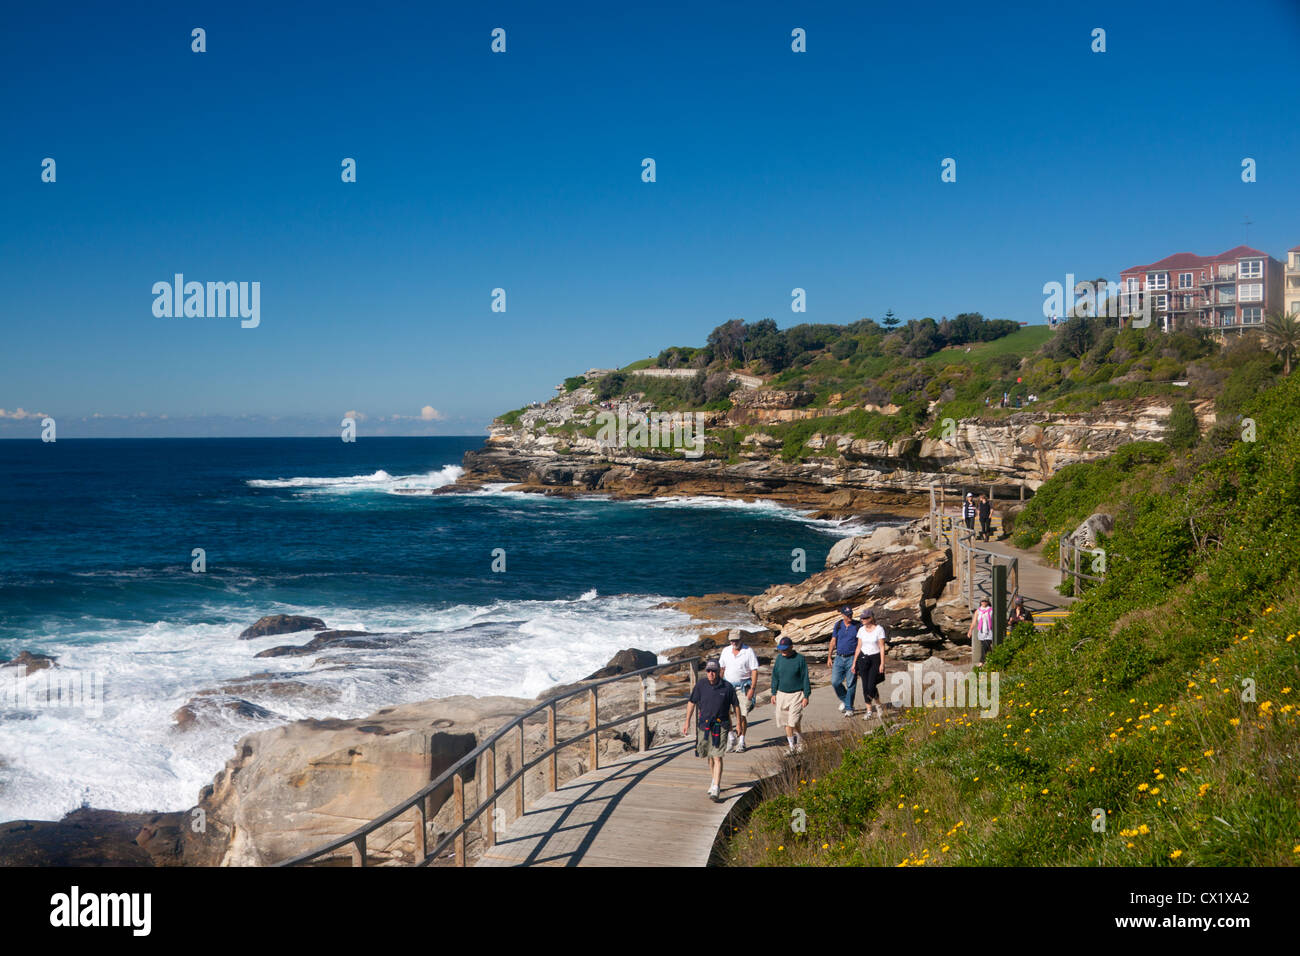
981, 627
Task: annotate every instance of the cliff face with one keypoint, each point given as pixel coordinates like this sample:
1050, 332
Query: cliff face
847, 475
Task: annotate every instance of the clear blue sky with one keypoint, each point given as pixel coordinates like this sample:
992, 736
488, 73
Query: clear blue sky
523, 170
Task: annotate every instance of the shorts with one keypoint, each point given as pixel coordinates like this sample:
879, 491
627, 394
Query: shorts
789, 708
704, 746
743, 703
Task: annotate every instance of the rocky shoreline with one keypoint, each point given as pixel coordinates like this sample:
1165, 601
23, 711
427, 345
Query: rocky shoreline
295, 786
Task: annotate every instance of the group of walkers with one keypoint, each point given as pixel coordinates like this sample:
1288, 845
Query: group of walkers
982, 508
720, 704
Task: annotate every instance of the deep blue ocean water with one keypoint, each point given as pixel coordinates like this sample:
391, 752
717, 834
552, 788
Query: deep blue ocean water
96, 556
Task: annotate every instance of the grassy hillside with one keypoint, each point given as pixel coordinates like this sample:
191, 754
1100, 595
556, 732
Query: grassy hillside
1167, 698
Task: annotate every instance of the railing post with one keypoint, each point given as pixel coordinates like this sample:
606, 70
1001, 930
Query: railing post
359, 851
420, 835
643, 725
550, 743
594, 739
523, 777
458, 798
491, 781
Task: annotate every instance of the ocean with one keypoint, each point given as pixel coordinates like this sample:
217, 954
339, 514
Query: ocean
97, 558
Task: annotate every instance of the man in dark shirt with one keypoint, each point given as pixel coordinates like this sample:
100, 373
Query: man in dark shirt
985, 510
839, 658
1019, 614
714, 701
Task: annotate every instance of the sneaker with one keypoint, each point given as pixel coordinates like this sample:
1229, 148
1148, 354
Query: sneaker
868, 714
798, 748
848, 712
842, 708
714, 795
731, 745
740, 748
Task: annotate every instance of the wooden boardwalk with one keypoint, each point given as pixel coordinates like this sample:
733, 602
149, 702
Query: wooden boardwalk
651, 809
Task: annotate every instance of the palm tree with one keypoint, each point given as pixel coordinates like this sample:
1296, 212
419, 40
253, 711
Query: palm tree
1282, 337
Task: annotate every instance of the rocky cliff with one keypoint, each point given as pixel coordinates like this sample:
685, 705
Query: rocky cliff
545, 450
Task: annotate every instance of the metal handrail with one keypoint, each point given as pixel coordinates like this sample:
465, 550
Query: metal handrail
357, 838
1070, 566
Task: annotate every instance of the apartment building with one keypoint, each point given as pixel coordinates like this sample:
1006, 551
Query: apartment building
1230, 292
1291, 290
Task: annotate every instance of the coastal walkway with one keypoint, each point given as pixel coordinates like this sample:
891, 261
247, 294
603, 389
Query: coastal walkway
651, 808
1038, 583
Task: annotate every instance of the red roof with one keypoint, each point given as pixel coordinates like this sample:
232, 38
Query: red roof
1294, 249
1179, 260
1242, 252
1190, 260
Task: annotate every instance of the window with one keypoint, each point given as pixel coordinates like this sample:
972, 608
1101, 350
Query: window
1131, 284
1157, 280
1184, 280
1162, 302
1252, 269
1252, 316
1189, 302
1251, 292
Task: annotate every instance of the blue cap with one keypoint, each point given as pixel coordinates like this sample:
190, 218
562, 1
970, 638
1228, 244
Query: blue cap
784, 644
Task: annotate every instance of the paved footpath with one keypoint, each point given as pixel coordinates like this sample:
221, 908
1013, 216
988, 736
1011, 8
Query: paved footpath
651, 809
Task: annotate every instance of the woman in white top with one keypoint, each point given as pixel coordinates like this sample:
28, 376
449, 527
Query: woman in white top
869, 661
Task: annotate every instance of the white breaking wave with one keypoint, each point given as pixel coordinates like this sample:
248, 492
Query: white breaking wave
379, 481
131, 756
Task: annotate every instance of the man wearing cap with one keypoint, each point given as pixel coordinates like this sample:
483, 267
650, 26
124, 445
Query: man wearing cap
839, 658
739, 669
791, 691
714, 699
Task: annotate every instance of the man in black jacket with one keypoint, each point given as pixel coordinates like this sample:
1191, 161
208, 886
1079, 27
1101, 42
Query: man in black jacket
985, 509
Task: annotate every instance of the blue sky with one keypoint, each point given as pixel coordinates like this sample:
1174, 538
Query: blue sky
522, 170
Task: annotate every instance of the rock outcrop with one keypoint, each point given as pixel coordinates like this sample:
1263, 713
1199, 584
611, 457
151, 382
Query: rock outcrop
873, 477
30, 663
899, 584
281, 624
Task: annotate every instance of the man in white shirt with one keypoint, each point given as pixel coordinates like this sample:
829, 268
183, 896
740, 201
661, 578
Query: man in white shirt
740, 669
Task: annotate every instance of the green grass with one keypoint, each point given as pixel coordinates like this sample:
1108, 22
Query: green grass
1136, 705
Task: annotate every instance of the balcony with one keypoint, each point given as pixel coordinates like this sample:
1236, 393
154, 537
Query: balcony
1228, 275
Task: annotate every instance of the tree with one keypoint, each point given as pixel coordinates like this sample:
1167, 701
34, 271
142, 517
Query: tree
1183, 429
891, 321
1281, 336
726, 340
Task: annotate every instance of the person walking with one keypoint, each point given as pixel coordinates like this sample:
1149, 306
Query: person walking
791, 691
839, 658
968, 511
985, 511
869, 662
981, 628
739, 669
714, 700
1019, 614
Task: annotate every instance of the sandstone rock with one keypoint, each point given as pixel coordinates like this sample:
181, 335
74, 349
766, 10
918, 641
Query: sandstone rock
30, 663
89, 837
282, 624
209, 704
894, 585
1085, 536
357, 640
630, 659
880, 538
